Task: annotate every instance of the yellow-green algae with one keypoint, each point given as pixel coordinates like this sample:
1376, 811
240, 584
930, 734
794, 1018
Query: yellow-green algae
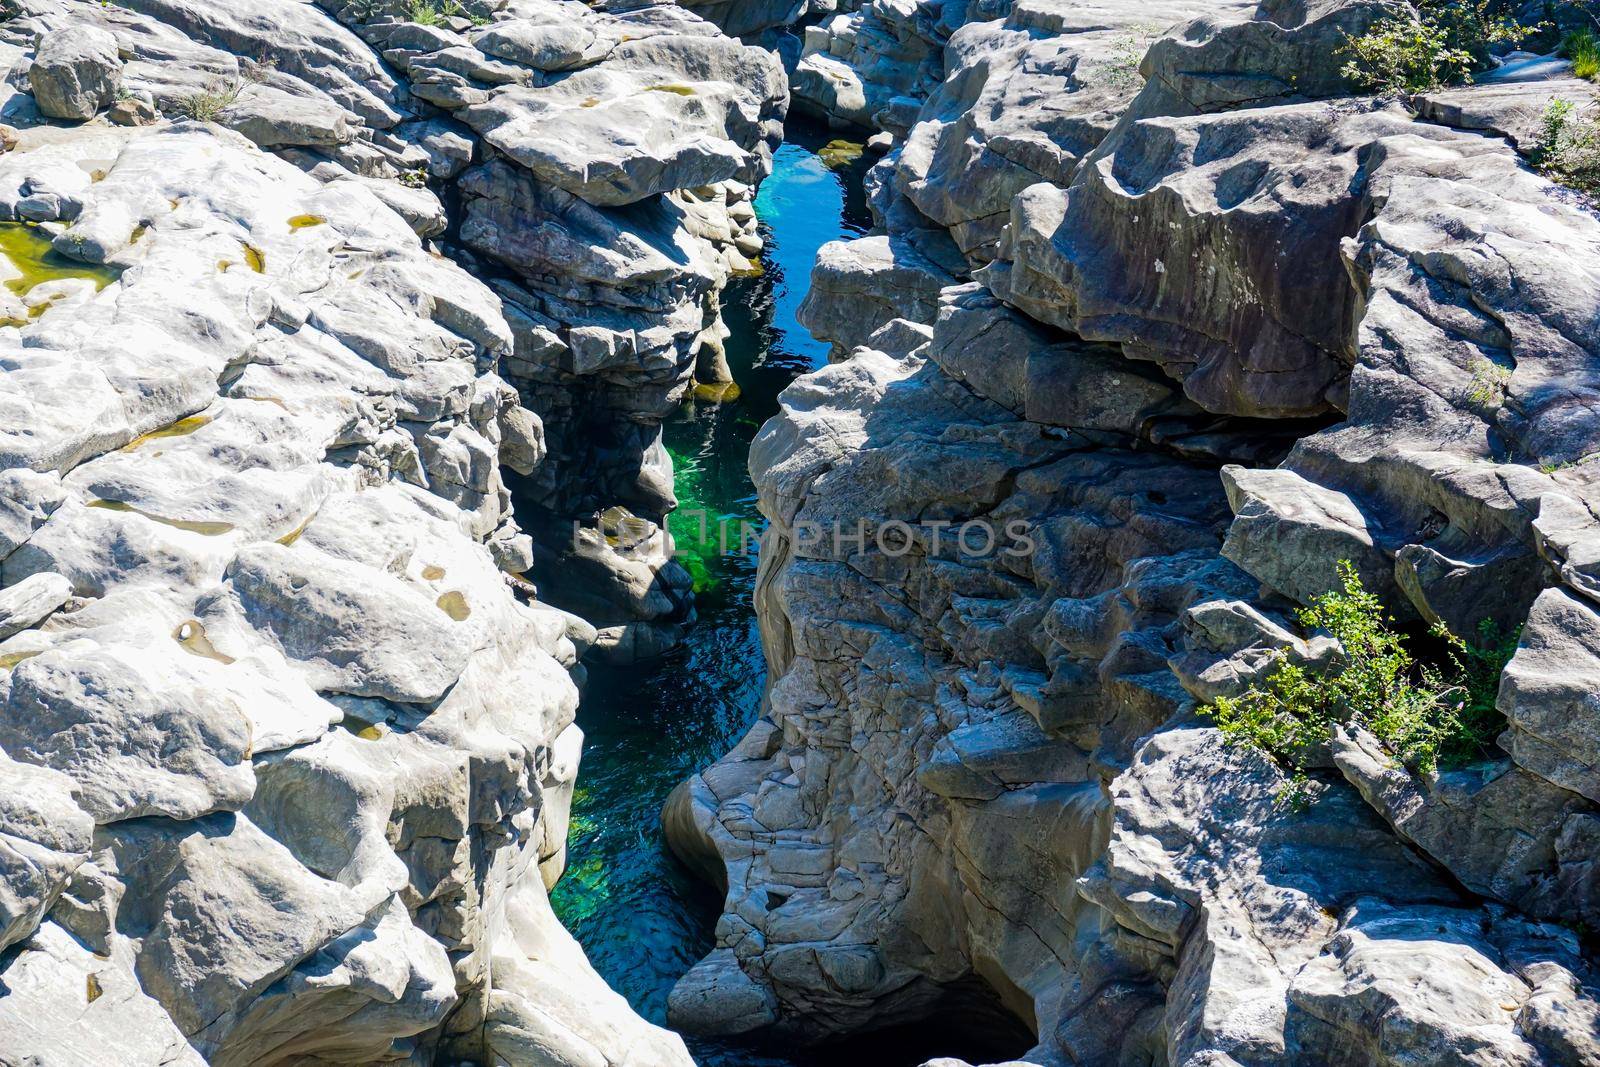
28, 250
293, 535
8, 660
181, 428
367, 731
840, 153
209, 529
454, 604
305, 222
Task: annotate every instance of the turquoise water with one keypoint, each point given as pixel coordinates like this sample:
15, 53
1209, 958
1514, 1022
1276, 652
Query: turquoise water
642, 918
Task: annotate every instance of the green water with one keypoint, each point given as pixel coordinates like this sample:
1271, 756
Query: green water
641, 917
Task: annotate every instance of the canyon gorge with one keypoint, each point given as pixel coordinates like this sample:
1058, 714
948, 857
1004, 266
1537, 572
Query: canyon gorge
382, 382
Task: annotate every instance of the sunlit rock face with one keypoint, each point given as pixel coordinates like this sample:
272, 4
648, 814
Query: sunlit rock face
1131, 367
608, 199
289, 742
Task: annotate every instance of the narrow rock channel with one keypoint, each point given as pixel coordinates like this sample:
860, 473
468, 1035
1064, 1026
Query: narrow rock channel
642, 918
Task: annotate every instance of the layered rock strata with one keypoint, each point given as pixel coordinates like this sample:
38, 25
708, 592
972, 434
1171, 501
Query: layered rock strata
1210, 337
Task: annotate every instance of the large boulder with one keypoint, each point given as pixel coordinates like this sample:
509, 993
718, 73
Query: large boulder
659, 114
75, 72
1024, 100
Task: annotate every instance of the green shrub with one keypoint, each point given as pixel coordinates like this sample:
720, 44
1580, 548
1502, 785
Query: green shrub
1423, 714
1583, 49
1444, 45
1569, 147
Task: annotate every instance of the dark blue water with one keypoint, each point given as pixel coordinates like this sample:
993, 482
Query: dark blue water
642, 918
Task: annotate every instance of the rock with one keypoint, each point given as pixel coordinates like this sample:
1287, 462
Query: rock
717, 997
857, 286
1018, 107
138, 733
133, 111
1278, 52
44, 837
274, 119
26, 500
742, 18
263, 379
858, 66
75, 72
1265, 172
67, 1005
1426, 982
984, 777
449, 146
1501, 830
659, 114
1547, 691
31, 601
1293, 534
1507, 106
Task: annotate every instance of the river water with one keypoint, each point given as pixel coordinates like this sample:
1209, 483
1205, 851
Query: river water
642, 918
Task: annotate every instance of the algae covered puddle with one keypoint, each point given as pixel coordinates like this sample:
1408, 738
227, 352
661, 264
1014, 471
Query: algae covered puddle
641, 917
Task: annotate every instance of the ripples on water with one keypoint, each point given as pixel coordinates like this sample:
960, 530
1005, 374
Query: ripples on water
641, 917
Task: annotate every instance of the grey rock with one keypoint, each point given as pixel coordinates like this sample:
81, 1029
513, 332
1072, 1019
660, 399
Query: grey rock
138, 733
75, 72
1293, 534
66, 1006
660, 114
44, 837
1548, 692
858, 286
31, 601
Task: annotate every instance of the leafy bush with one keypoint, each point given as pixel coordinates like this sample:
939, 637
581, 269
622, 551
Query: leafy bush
1444, 45
1583, 49
1569, 147
1423, 714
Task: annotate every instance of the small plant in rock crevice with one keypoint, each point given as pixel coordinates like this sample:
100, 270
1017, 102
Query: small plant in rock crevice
220, 94
1582, 48
434, 12
1489, 383
1424, 714
209, 103
1127, 52
1569, 147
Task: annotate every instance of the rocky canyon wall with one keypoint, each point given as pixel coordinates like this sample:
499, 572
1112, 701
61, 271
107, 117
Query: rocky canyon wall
288, 740
1160, 325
